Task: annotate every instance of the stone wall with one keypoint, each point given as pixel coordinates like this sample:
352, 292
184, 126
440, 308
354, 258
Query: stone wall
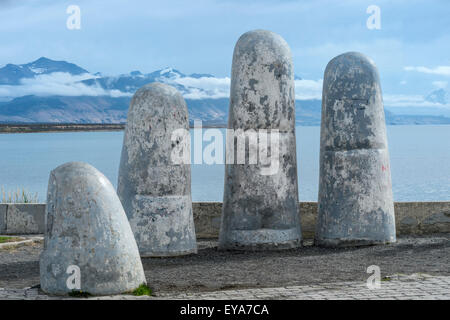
22, 218
411, 218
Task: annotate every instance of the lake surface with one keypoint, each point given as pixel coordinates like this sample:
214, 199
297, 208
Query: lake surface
420, 161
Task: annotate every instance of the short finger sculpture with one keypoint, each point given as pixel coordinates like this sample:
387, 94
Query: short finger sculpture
355, 192
89, 245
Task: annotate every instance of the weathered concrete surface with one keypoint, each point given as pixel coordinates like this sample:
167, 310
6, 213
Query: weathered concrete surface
207, 216
260, 210
25, 219
412, 218
87, 227
422, 217
156, 191
3, 209
355, 193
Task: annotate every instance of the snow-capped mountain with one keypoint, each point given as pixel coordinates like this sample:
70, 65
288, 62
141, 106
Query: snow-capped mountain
439, 96
57, 91
12, 74
194, 86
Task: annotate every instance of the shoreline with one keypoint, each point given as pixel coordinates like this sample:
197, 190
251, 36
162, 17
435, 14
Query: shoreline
72, 127
6, 128
60, 127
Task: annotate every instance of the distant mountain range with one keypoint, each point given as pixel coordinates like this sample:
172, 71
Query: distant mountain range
48, 91
12, 74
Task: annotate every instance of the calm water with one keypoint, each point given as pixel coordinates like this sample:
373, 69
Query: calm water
420, 161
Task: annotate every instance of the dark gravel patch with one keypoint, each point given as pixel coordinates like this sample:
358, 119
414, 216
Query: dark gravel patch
211, 269
19, 267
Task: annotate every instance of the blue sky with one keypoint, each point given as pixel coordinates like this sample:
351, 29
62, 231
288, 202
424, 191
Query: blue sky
412, 48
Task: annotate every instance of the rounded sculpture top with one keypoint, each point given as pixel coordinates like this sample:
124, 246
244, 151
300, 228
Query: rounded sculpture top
80, 196
156, 100
156, 143
80, 203
262, 83
265, 45
352, 75
156, 111
87, 227
78, 173
352, 105
71, 188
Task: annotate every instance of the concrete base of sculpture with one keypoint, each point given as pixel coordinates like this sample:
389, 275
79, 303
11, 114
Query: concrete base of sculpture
355, 203
163, 225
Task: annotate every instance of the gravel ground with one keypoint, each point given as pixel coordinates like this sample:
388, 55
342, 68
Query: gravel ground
212, 270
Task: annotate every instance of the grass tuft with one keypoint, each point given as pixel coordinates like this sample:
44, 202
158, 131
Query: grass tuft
9, 239
79, 294
142, 290
18, 196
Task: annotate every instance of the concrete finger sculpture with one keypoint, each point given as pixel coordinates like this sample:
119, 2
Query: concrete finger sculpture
260, 206
154, 187
355, 192
89, 245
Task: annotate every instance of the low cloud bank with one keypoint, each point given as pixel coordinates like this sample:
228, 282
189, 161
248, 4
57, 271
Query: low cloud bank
57, 83
308, 89
440, 70
399, 100
65, 84
204, 87
215, 88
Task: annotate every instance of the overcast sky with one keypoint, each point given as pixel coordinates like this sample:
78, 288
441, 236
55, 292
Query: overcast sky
412, 48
